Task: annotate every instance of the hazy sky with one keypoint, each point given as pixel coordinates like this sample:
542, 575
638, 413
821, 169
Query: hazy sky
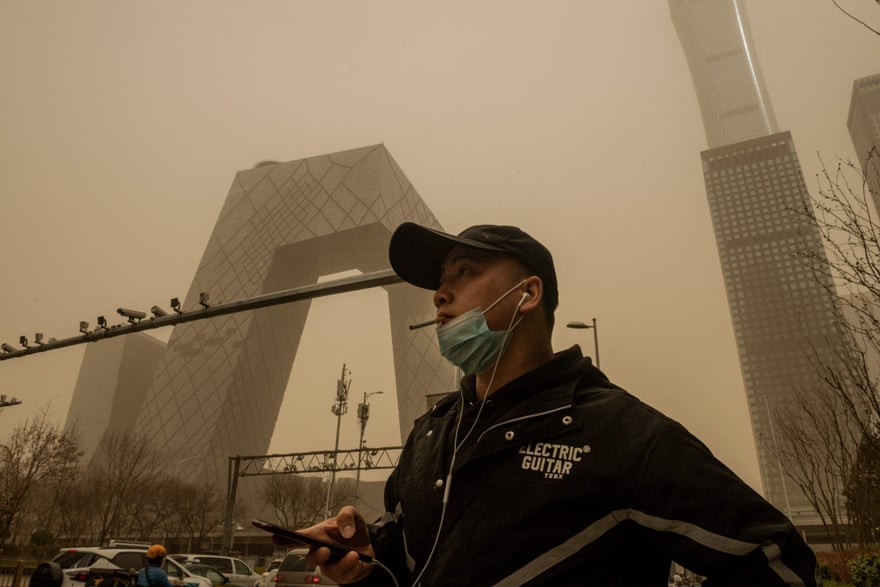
123, 123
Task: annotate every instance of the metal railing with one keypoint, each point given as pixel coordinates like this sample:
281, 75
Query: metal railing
385, 457
17, 575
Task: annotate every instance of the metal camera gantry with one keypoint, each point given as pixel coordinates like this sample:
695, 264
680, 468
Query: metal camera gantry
239, 466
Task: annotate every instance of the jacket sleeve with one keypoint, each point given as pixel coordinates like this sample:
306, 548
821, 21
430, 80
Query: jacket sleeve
711, 522
386, 536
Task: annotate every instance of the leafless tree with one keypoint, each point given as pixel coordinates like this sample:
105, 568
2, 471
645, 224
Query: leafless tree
863, 495
78, 508
296, 500
193, 511
829, 433
343, 493
37, 453
818, 442
123, 469
844, 213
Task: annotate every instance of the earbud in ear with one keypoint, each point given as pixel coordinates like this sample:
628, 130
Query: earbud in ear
526, 296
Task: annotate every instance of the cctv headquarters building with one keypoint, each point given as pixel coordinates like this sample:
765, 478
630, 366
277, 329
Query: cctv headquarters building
215, 389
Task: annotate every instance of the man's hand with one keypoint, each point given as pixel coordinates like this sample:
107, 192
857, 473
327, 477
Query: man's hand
349, 530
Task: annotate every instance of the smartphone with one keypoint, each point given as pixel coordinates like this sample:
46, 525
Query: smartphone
336, 551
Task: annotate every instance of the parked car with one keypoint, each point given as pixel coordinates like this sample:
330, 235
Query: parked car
236, 569
209, 572
267, 578
75, 564
295, 571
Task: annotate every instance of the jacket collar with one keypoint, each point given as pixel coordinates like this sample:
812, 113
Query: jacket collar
565, 366
556, 380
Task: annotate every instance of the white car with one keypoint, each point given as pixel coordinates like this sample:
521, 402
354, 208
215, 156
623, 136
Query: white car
236, 569
268, 576
75, 564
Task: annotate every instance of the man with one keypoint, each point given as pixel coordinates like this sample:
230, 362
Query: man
153, 575
540, 471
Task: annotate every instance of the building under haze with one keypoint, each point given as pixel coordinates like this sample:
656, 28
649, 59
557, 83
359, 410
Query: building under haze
864, 128
216, 389
755, 189
113, 381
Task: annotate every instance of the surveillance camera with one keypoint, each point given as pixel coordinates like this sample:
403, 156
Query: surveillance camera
102, 322
158, 312
84, 327
132, 315
203, 299
8, 348
22, 340
175, 305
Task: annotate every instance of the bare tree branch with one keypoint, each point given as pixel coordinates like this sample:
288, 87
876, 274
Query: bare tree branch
863, 23
829, 437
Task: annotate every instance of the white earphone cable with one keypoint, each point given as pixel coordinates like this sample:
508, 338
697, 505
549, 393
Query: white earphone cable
457, 445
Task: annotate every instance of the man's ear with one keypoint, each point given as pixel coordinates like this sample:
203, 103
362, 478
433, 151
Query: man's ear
533, 292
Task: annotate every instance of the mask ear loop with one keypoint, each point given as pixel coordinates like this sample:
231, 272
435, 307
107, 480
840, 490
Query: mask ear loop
514, 322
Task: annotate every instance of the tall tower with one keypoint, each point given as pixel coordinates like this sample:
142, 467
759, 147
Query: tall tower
730, 88
755, 187
219, 383
864, 128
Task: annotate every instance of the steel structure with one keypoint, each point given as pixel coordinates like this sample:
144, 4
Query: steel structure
320, 461
346, 284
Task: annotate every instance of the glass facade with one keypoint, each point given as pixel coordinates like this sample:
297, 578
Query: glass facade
779, 307
864, 129
220, 382
720, 53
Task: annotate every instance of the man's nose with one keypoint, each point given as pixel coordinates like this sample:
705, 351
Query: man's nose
442, 296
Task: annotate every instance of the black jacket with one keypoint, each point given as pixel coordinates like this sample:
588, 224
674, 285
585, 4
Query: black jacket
567, 479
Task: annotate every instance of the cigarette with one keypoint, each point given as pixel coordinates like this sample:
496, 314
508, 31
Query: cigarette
423, 324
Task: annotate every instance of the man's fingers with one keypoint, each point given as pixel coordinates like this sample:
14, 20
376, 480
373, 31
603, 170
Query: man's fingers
346, 570
347, 521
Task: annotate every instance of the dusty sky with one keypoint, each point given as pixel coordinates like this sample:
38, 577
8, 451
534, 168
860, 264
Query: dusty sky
123, 123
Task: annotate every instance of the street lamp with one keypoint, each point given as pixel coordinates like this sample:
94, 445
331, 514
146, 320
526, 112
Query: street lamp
583, 325
363, 416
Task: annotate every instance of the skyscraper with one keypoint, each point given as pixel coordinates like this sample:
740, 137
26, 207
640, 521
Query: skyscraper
730, 88
113, 381
864, 128
755, 189
215, 390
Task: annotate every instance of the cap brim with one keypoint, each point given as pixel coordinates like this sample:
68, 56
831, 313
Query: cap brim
417, 253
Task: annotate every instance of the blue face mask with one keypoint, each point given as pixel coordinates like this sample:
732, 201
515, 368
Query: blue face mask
467, 342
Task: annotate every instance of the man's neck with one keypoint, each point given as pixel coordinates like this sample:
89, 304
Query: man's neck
515, 362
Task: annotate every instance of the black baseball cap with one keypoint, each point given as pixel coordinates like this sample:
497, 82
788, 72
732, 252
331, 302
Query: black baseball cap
417, 253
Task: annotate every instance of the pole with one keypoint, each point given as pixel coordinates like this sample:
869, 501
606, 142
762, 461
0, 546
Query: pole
308, 292
596, 342
231, 488
339, 408
363, 416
